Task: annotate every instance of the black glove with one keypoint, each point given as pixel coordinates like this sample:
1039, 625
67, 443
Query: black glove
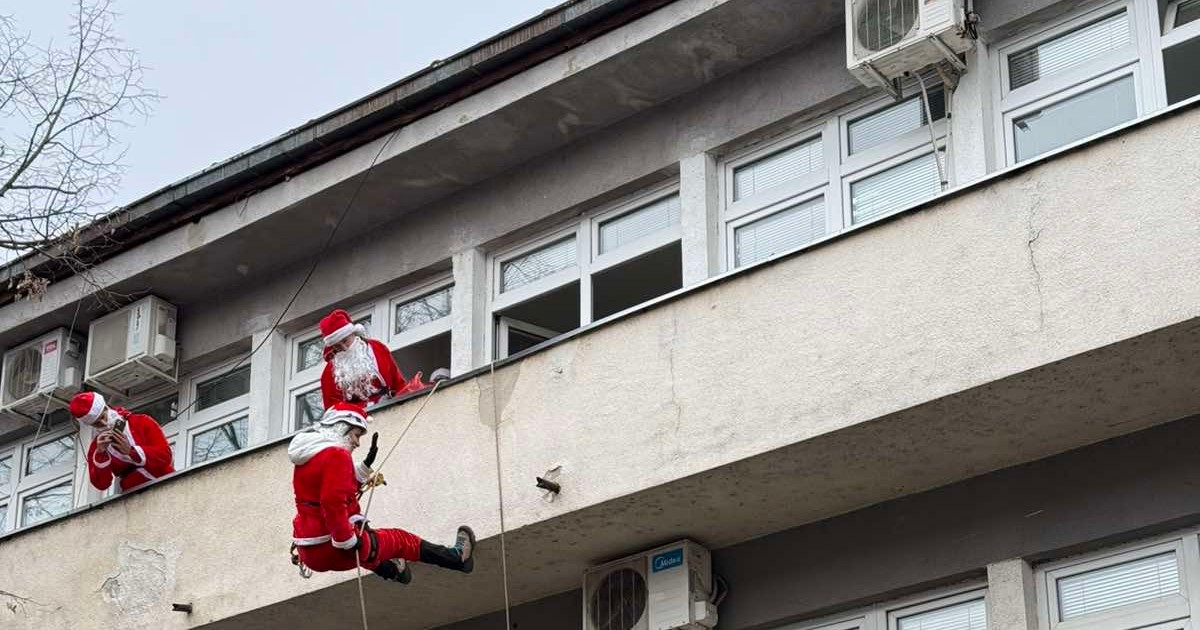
373, 451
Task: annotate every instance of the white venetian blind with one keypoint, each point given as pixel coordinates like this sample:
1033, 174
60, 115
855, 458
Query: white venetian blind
970, 615
894, 189
895, 120
537, 264
1119, 585
629, 227
1069, 50
779, 232
778, 168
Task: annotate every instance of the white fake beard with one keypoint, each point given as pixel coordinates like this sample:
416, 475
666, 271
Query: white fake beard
354, 370
338, 434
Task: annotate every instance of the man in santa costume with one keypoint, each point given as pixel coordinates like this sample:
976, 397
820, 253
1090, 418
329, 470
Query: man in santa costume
359, 369
329, 529
128, 446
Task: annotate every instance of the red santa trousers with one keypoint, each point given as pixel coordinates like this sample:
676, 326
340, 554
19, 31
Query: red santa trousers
393, 544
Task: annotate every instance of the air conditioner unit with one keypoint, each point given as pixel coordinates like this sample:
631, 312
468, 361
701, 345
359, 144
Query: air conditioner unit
41, 374
887, 38
667, 588
133, 348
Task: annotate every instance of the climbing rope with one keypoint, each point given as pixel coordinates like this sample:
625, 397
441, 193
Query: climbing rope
362, 525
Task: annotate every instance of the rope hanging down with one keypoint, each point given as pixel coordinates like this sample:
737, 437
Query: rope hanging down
362, 599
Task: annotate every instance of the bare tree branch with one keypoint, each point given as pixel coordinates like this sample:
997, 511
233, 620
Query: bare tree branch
60, 160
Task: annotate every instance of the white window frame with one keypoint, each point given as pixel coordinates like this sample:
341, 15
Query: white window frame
424, 331
304, 381
588, 261
26, 485
1137, 60
197, 421
8, 493
885, 616
732, 225
1172, 35
916, 152
1169, 612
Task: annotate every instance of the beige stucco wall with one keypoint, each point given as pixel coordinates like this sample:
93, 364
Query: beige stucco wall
1082, 252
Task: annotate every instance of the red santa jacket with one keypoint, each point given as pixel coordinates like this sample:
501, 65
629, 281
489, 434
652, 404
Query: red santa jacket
388, 381
326, 483
150, 458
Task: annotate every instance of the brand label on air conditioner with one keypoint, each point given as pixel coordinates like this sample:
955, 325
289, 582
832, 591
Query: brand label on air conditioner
666, 560
50, 346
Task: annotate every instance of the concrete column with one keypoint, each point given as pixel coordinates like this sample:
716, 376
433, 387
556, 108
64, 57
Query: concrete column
268, 373
699, 218
1012, 596
468, 308
971, 125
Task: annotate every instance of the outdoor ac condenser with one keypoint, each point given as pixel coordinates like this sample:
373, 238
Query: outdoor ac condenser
667, 588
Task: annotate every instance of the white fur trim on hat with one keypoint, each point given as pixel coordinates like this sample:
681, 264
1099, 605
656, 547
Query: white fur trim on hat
333, 416
345, 331
97, 407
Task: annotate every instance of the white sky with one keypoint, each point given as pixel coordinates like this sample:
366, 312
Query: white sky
235, 73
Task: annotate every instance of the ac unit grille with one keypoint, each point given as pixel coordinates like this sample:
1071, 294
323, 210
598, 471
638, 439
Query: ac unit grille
23, 371
880, 24
619, 601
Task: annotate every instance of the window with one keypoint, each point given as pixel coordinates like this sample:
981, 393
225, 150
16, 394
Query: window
1072, 80
1134, 586
5, 475
220, 440
49, 455
414, 313
776, 169
1181, 49
796, 225
899, 186
894, 121
3, 518
46, 504
309, 408
610, 260
420, 340
307, 360
223, 388
950, 609
310, 353
162, 410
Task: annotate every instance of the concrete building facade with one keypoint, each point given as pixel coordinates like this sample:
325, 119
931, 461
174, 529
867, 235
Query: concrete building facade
680, 261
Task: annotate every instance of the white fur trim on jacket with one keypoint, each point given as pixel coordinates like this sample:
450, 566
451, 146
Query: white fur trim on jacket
314, 540
98, 463
345, 544
94, 412
343, 332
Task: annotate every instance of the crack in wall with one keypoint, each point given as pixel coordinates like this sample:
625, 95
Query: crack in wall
1032, 235
19, 604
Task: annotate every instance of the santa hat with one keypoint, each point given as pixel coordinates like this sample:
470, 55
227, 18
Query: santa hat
350, 413
337, 326
86, 407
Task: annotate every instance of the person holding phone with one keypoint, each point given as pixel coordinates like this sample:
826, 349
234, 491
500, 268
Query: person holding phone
128, 446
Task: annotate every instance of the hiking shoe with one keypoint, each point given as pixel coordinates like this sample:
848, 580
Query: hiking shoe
394, 571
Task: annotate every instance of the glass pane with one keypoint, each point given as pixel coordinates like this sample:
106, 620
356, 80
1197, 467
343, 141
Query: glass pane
423, 310
309, 408
966, 616
894, 189
60, 452
3, 518
46, 504
163, 411
779, 232
538, 264
1189, 11
1069, 50
778, 168
5, 475
894, 121
1078, 117
1119, 585
223, 388
644, 221
220, 441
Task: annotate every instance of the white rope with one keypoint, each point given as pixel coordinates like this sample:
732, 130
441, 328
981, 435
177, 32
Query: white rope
500, 493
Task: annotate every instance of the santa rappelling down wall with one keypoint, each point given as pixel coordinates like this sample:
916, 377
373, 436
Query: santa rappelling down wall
330, 530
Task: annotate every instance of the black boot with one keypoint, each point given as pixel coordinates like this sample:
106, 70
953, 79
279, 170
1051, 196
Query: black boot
460, 557
394, 571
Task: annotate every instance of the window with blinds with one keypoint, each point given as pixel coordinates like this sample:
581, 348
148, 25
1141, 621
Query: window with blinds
1069, 50
537, 264
778, 168
894, 121
784, 230
633, 225
896, 188
1119, 585
1075, 118
970, 615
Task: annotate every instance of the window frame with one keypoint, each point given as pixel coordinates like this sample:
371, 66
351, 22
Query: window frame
208, 425
8, 493
396, 341
1136, 59
911, 154
732, 225
588, 260
19, 499
885, 615
298, 382
199, 420
1169, 612
1174, 35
